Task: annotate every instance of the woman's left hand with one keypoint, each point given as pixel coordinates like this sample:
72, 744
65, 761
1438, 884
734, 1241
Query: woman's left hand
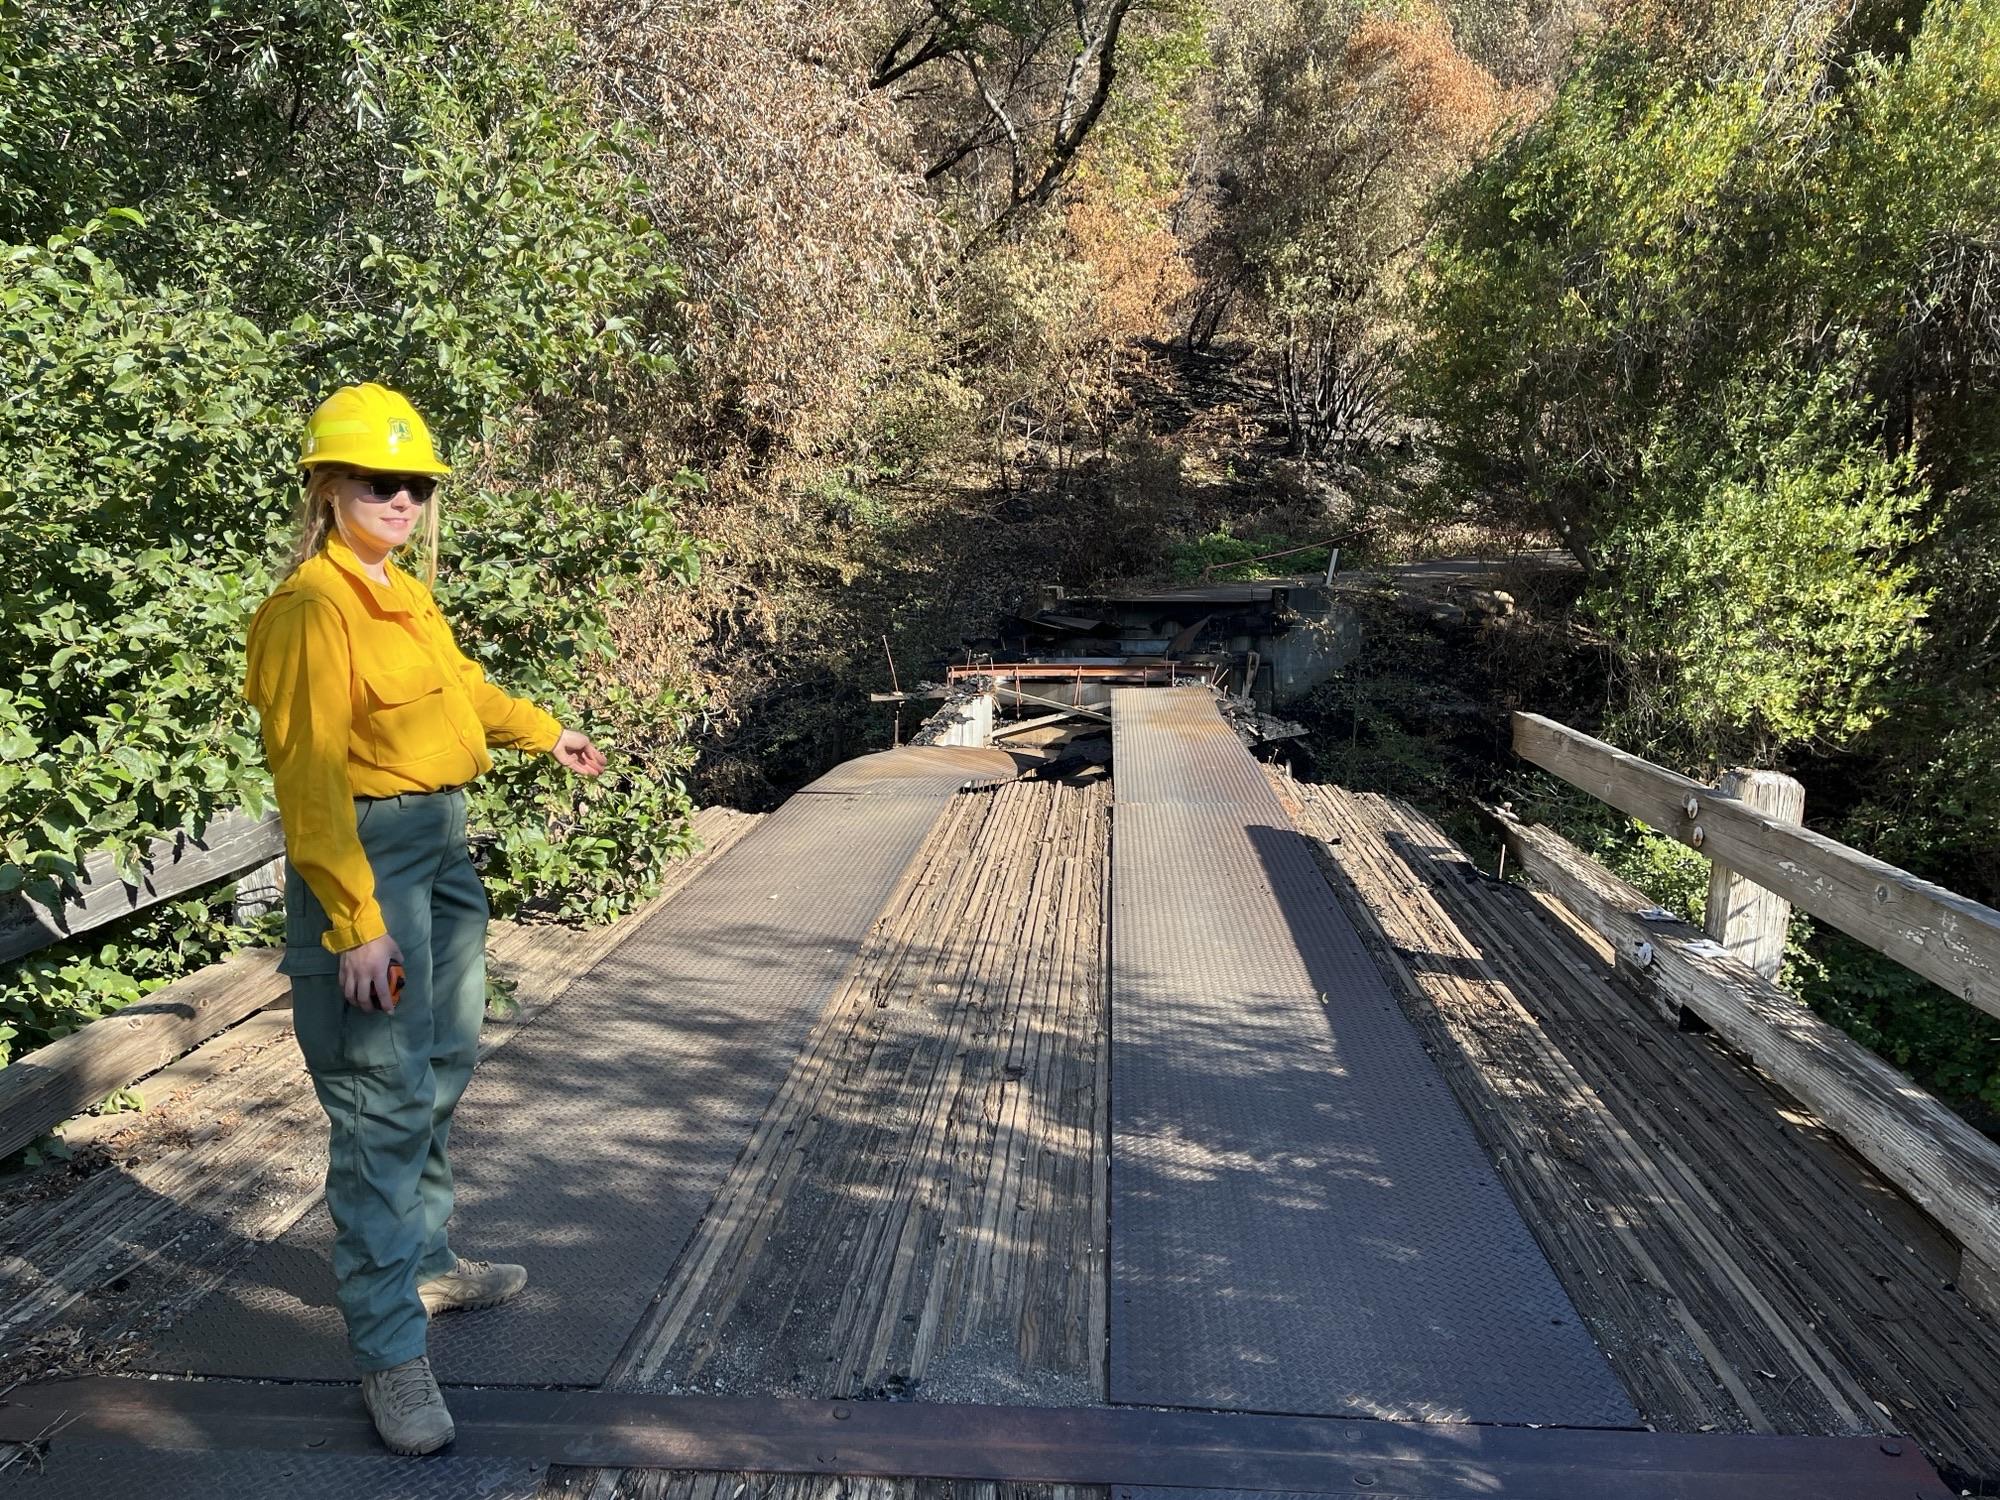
577, 752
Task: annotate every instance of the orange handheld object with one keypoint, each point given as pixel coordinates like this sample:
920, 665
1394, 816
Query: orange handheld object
395, 984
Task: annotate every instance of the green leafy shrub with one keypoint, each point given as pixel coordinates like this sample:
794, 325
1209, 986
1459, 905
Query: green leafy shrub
127, 579
1221, 554
1721, 321
1624, 334
1760, 581
1675, 876
282, 201
553, 843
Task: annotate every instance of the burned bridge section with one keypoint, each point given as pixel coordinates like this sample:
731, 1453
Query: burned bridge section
1301, 1218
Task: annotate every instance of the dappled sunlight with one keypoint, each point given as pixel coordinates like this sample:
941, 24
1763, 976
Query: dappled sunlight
589, 1148
915, 1211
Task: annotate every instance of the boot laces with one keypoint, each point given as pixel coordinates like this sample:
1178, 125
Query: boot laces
409, 1388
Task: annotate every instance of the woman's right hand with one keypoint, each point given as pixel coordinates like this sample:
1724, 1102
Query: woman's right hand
364, 973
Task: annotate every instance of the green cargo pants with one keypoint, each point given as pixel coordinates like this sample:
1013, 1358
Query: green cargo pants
389, 1083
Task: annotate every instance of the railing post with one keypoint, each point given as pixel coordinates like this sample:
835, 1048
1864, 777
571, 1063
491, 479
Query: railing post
1743, 917
260, 890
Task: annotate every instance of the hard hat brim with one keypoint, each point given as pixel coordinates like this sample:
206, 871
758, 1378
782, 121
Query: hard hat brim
436, 468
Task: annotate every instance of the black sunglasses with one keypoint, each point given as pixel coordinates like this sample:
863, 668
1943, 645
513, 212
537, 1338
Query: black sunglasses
389, 486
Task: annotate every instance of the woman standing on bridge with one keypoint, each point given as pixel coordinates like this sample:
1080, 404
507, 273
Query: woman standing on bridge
373, 723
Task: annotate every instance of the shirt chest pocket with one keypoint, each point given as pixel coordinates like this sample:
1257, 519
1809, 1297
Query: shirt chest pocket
407, 719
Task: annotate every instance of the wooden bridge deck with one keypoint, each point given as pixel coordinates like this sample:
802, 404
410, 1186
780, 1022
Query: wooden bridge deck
921, 1211
1740, 1267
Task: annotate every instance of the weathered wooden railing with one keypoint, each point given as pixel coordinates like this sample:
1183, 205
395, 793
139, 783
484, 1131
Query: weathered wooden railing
231, 844
1950, 1169
39, 1091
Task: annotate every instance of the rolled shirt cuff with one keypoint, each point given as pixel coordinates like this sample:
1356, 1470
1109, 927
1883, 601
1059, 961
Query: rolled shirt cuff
365, 928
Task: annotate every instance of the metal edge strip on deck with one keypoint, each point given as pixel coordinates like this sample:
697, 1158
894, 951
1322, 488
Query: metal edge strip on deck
111, 1425
589, 1148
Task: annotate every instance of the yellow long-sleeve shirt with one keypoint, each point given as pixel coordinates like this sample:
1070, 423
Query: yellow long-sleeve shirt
362, 692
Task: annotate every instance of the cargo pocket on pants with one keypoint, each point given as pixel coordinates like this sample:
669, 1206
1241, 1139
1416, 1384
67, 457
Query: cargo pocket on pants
334, 1036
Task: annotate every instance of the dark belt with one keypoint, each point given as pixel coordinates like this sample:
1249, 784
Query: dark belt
443, 791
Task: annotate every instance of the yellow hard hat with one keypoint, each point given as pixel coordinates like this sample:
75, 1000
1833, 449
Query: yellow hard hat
371, 427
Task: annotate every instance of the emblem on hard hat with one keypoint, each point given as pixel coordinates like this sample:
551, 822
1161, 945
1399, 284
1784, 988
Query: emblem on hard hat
399, 432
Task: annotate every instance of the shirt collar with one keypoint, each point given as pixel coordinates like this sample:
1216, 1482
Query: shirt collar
391, 600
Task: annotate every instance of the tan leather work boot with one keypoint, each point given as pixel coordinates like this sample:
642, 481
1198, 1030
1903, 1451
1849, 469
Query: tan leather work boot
408, 1409
469, 1284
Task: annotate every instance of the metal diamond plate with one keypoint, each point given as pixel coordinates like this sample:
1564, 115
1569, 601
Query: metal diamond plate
97, 1471
1172, 746
589, 1148
1302, 1219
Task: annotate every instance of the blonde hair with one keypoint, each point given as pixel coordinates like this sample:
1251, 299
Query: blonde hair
316, 521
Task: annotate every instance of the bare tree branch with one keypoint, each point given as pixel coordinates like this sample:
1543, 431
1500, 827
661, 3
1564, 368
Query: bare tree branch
1071, 135
893, 65
979, 140
1041, 76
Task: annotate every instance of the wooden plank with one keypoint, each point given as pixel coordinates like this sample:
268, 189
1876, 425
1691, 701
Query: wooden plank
1708, 1206
204, 1067
230, 844
1750, 1207
1689, 1131
41, 1090
1022, 726
1639, 1201
1942, 1163
1951, 940
1979, 1280
1560, 1151
917, 1210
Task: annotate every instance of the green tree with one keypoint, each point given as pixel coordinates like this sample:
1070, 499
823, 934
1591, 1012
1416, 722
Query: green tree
1723, 320
1664, 322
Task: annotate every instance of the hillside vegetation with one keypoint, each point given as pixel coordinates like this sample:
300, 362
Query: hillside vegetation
761, 332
